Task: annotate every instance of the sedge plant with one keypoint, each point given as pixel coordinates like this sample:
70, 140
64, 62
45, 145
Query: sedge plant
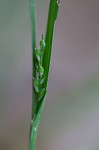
40, 68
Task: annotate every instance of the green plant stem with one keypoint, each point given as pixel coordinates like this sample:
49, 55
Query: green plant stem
33, 19
37, 107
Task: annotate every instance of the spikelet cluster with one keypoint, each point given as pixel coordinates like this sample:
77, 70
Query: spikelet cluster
38, 82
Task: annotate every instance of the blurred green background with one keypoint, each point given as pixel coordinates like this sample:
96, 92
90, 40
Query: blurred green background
70, 119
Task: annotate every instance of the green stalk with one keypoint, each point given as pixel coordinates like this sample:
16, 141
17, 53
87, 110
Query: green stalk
37, 106
33, 20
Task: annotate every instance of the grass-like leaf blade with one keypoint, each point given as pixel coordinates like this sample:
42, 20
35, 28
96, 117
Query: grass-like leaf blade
53, 11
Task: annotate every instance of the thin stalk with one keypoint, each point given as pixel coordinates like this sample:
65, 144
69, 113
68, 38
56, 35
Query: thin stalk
33, 20
37, 106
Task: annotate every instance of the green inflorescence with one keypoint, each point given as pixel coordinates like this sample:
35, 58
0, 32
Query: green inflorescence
40, 72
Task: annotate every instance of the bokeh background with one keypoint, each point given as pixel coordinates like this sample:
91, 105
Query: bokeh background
70, 119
